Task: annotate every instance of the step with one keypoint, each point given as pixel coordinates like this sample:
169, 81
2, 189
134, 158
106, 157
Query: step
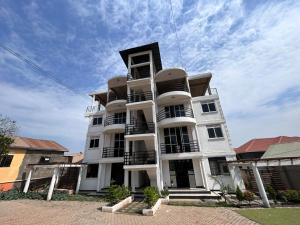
189, 191
136, 207
195, 196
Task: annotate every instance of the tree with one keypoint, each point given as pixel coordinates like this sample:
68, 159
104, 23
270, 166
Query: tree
239, 194
8, 129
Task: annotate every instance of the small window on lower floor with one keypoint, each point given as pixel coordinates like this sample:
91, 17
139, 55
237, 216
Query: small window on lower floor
92, 171
94, 142
218, 166
215, 131
45, 159
6, 160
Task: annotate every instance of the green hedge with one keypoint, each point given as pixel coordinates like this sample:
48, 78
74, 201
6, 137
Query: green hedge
151, 196
116, 193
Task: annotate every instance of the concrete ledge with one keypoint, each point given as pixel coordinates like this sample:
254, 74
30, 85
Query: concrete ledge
152, 211
117, 206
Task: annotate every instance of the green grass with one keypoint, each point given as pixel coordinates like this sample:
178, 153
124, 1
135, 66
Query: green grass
277, 216
200, 204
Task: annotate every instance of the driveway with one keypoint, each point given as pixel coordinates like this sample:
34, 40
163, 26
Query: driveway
21, 212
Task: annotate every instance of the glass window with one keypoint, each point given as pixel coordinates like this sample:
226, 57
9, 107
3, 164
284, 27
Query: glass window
208, 107
6, 160
94, 143
97, 121
92, 171
215, 131
218, 166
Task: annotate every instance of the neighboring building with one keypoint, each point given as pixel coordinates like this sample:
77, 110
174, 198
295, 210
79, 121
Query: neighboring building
255, 148
74, 157
24, 151
157, 127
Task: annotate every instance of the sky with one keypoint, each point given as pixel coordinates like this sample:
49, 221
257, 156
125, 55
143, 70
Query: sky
251, 47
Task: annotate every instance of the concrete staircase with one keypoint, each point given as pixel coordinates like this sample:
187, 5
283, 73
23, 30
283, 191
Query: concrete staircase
193, 193
135, 207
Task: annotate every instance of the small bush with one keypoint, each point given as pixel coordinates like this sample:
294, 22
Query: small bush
117, 193
291, 196
272, 193
165, 192
239, 194
249, 196
16, 194
151, 196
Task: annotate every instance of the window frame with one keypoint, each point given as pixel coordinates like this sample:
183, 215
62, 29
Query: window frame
207, 104
218, 163
93, 140
6, 160
88, 173
215, 133
97, 121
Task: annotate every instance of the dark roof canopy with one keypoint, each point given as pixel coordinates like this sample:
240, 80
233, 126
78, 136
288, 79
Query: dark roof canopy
154, 47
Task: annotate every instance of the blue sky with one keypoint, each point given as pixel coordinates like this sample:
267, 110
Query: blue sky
251, 47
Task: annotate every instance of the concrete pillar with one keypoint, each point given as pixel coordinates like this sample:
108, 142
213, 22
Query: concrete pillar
57, 178
204, 174
26, 187
260, 186
51, 187
236, 177
78, 181
198, 172
126, 178
99, 187
158, 183
134, 178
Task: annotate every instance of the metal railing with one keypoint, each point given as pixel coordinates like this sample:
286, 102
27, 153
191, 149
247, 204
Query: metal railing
185, 112
139, 97
212, 91
94, 108
143, 73
113, 97
176, 87
191, 146
140, 157
139, 128
111, 152
110, 120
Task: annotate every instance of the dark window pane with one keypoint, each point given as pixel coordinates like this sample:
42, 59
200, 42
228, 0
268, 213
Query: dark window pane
211, 133
92, 142
99, 120
212, 107
205, 108
167, 140
184, 130
6, 160
92, 171
96, 143
166, 132
218, 131
95, 121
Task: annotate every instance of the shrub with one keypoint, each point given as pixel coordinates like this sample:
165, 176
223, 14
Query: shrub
239, 194
165, 192
272, 193
291, 195
249, 196
117, 193
16, 194
151, 196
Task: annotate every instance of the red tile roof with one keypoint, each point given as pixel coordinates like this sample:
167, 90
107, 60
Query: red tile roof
37, 144
262, 144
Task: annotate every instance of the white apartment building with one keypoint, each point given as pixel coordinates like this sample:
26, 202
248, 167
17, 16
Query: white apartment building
157, 127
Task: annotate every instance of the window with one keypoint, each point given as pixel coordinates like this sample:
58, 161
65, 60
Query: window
120, 118
218, 166
5, 160
176, 139
174, 111
92, 171
94, 143
208, 107
45, 159
215, 132
97, 121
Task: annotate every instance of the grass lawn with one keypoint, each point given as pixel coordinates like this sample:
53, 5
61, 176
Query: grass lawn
278, 216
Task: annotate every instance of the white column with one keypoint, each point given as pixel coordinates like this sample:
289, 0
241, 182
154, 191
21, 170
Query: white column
27, 181
126, 178
51, 187
158, 183
204, 174
57, 178
78, 180
134, 175
260, 186
99, 185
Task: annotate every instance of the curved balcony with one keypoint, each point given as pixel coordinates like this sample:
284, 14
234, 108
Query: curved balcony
115, 103
139, 128
112, 152
191, 146
178, 92
144, 157
181, 117
114, 124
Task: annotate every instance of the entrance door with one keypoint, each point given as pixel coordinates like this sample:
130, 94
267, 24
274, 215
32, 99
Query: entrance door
117, 173
181, 169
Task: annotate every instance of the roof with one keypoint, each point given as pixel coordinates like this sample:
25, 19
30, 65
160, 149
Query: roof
37, 144
199, 84
154, 47
262, 144
291, 149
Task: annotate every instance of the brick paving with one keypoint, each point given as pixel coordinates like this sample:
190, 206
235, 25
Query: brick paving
25, 212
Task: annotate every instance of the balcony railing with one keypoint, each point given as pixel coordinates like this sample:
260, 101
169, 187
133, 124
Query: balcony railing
191, 146
139, 97
164, 114
111, 120
113, 97
94, 108
139, 128
140, 157
212, 91
111, 152
176, 87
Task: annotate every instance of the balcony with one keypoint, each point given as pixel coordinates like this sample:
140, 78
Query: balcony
139, 128
115, 102
145, 157
112, 152
114, 124
177, 116
139, 97
191, 146
93, 109
173, 92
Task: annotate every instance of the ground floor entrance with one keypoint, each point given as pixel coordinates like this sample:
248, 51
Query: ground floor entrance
182, 173
117, 173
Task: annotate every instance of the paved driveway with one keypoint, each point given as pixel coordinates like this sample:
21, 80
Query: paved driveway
32, 212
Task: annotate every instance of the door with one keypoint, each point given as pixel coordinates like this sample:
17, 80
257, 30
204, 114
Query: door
176, 140
181, 169
117, 173
119, 145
